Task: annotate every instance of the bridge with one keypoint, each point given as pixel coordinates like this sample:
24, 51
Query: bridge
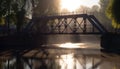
67, 24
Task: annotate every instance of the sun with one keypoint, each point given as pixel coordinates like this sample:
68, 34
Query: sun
72, 5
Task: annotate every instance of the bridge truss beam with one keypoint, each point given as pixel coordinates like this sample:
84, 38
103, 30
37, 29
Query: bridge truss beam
70, 24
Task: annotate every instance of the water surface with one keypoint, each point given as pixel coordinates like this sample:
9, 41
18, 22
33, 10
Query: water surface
62, 52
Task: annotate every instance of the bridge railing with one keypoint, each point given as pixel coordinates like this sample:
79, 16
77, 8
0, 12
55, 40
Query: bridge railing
71, 13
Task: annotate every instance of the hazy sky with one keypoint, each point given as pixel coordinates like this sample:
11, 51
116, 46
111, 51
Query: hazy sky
72, 5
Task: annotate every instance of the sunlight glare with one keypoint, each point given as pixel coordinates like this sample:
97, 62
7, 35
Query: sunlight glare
71, 45
67, 61
72, 5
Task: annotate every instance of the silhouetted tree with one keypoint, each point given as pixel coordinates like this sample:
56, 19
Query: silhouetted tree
15, 11
113, 12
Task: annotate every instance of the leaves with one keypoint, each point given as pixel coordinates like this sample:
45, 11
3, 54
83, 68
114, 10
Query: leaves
113, 12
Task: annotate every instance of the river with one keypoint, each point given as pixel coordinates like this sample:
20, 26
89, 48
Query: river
62, 52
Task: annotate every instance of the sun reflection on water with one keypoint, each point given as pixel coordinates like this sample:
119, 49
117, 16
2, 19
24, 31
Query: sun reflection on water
72, 45
67, 61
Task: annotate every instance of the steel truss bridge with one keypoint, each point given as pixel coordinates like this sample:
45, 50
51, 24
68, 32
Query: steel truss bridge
67, 24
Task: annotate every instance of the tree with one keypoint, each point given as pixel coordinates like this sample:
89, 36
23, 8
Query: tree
47, 7
5, 12
102, 15
113, 12
44, 8
16, 11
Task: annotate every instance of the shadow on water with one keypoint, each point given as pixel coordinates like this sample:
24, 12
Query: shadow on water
115, 51
22, 41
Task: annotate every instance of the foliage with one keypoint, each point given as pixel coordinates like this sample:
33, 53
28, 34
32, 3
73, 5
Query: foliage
15, 11
47, 7
2, 21
101, 15
113, 12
